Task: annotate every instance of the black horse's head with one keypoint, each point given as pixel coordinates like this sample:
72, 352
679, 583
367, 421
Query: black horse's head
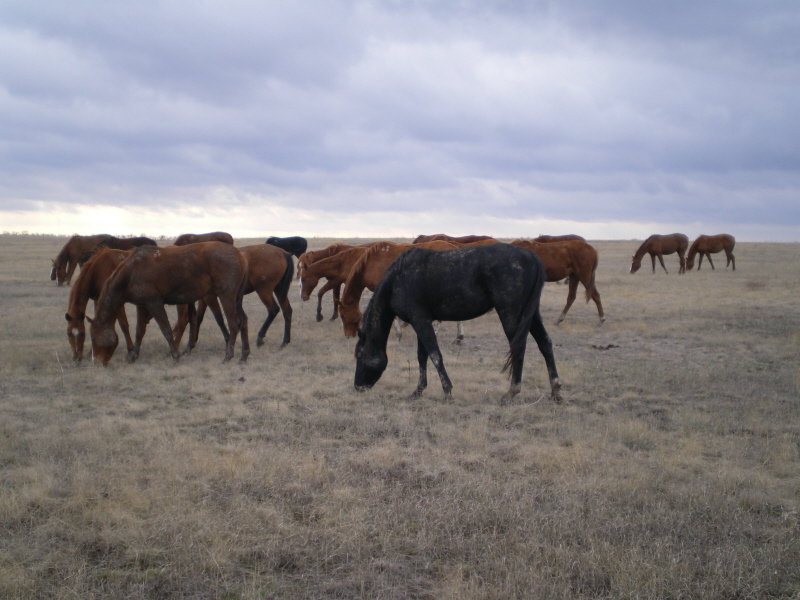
370, 364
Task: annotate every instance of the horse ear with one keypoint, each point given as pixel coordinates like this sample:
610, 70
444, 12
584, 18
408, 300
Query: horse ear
66, 316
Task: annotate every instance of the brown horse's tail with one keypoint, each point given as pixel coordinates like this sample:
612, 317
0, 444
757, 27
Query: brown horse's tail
282, 289
590, 289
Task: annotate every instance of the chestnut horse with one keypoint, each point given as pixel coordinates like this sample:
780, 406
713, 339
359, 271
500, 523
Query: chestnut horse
66, 262
464, 239
87, 287
658, 245
367, 273
706, 245
269, 273
335, 267
152, 277
195, 238
575, 260
456, 285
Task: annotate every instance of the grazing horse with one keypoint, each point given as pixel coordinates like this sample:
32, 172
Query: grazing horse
116, 243
367, 273
68, 258
194, 238
87, 287
575, 260
546, 239
464, 239
658, 245
270, 271
335, 268
152, 277
706, 245
294, 245
456, 285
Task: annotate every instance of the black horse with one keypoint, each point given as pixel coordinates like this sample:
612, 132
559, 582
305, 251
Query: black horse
293, 245
456, 285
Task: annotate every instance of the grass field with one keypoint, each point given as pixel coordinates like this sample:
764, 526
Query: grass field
671, 469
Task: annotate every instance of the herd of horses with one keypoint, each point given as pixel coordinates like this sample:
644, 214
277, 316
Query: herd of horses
434, 278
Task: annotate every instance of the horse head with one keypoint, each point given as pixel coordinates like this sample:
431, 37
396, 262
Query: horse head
636, 263
76, 334
370, 364
351, 317
104, 341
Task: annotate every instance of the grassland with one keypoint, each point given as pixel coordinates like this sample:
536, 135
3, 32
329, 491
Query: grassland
671, 470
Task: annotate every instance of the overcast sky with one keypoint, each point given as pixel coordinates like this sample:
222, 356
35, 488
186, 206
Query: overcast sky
611, 119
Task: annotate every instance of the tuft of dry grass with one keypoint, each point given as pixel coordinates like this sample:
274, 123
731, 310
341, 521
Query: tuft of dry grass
672, 469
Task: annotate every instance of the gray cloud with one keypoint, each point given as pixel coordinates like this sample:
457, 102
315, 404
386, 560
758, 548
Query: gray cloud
629, 111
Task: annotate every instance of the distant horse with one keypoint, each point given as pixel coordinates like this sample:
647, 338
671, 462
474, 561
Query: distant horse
68, 258
194, 238
658, 245
116, 243
706, 245
423, 285
546, 239
367, 273
294, 245
464, 239
87, 287
270, 271
152, 277
335, 267
574, 259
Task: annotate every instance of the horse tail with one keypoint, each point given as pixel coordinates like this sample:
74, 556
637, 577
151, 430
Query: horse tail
282, 289
527, 313
593, 264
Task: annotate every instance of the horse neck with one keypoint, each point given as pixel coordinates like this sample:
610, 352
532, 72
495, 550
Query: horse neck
111, 299
81, 291
377, 319
693, 250
643, 249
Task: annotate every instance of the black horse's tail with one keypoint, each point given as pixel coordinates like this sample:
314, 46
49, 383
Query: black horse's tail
527, 313
282, 289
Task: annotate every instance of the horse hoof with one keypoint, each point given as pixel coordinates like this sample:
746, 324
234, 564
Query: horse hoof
319, 318
260, 342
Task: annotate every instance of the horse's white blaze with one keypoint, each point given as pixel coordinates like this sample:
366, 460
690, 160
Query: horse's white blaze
75, 332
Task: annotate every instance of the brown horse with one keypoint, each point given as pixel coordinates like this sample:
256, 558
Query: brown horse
152, 277
658, 245
367, 272
68, 258
269, 273
195, 238
575, 260
546, 239
706, 245
116, 243
87, 287
335, 268
464, 239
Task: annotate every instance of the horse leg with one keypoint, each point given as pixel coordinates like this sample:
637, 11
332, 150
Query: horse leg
337, 294
181, 322
428, 347
539, 333
571, 294
194, 325
663, 266
731, 260
267, 298
422, 359
653, 260
71, 265
320, 294
122, 319
237, 321
682, 260
459, 332
213, 304
708, 256
157, 311
142, 319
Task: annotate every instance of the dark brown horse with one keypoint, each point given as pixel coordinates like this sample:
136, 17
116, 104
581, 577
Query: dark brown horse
87, 287
116, 243
706, 245
335, 267
658, 245
195, 238
269, 273
464, 239
546, 239
575, 260
152, 277
367, 272
67, 261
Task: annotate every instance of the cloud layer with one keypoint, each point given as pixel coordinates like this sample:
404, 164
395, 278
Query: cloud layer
629, 112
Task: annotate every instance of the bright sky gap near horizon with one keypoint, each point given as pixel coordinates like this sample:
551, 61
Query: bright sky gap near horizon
613, 120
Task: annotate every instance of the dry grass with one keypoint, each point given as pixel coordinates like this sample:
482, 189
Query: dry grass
672, 470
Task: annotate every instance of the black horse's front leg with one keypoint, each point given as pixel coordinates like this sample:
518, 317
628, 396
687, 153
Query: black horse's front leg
426, 342
422, 359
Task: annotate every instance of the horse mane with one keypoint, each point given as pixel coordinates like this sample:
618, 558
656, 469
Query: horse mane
693, 249
372, 250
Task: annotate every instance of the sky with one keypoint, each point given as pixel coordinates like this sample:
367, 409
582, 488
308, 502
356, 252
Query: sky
334, 118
